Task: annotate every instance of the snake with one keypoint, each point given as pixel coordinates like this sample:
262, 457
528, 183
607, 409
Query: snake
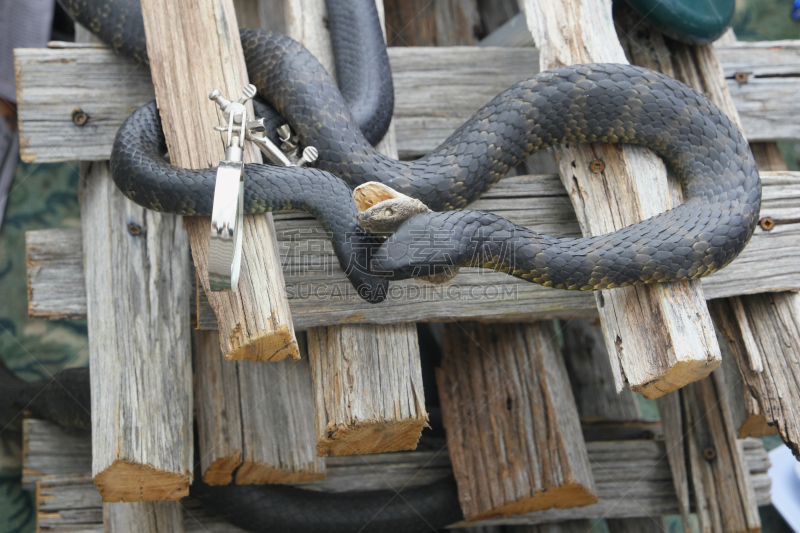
592, 103
606, 103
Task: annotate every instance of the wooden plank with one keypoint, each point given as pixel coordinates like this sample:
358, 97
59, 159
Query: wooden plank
52, 450
615, 464
746, 413
591, 377
436, 90
254, 320
367, 381
254, 421
70, 503
321, 295
367, 388
776, 387
140, 449
431, 22
619, 466
660, 337
106, 213
512, 426
724, 496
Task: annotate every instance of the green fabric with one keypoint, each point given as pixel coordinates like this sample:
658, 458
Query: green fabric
42, 196
690, 21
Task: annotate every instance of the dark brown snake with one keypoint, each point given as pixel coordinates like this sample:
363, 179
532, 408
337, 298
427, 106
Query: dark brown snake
586, 103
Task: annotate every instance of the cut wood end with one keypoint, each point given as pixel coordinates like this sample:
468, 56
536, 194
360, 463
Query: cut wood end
756, 426
258, 473
566, 496
272, 347
371, 437
677, 376
220, 472
125, 481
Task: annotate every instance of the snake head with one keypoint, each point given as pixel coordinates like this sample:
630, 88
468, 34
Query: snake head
381, 209
388, 215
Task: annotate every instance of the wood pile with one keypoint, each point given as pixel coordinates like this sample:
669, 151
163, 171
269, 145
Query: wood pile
293, 375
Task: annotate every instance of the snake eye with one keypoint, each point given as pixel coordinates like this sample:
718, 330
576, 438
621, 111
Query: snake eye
388, 212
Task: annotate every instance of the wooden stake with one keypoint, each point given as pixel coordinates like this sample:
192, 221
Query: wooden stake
253, 419
368, 388
194, 48
660, 337
513, 431
139, 348
367, 380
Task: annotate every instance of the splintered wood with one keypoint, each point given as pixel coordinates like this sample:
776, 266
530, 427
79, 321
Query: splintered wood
512, 425
368, 388
254, 320
367, 380
141, 376
660, 337
253, 419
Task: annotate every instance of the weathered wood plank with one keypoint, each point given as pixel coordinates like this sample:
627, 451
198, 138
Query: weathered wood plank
253, 420
367, 387
591, 377
367, 381
618, 466
512, 425
436, 90
139, 346
48, 449
660, 337
724, 496
777, 388
198, 51
748, 418
319, 293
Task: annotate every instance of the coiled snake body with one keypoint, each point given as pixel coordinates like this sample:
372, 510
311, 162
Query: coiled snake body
584, 103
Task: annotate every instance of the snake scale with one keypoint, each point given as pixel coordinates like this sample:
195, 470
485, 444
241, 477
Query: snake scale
586, 103
583, 103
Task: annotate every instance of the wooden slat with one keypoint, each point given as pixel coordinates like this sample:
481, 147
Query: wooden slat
436, 90
512, 424
659, 337
48, 449
254, 420
367, 381
141, 448
590, 375
633, 479
748, 418
190, 55
320, 294
367, 387
724, 495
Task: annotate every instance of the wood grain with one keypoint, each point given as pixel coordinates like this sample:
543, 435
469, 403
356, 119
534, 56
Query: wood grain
139, 346
254, 421
632, 479
367, 381
436, 90
513, 432
367, 387
255, 322
320, 294
591, 377
659, 337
